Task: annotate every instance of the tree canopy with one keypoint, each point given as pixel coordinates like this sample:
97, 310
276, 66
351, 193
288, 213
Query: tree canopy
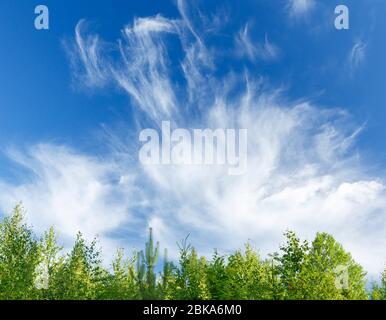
37, 268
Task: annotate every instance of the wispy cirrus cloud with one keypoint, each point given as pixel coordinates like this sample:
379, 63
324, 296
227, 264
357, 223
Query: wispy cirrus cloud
86, 56
357, 55
253, 50
304, 172
71, 191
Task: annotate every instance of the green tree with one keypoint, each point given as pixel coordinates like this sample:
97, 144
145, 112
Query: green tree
81, 276
289, 265
244, 276
331, 273
379, 291
19, 257
168, 284
320, 271
217, 277
50, 263
35, 269
122, 283
146, 263
192, 282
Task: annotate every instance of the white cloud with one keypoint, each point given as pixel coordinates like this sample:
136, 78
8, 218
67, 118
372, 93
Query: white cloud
300, 7
290, 183
86, 57
70, 191
303, 170
245, 47
357, 55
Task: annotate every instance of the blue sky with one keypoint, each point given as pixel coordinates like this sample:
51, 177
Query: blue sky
316, 119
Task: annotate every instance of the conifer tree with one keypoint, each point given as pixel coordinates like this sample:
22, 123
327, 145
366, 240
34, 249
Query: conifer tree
146, 263
167, 286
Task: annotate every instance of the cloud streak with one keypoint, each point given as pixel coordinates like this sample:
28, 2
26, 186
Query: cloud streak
86, 56
245, 47
357, 55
